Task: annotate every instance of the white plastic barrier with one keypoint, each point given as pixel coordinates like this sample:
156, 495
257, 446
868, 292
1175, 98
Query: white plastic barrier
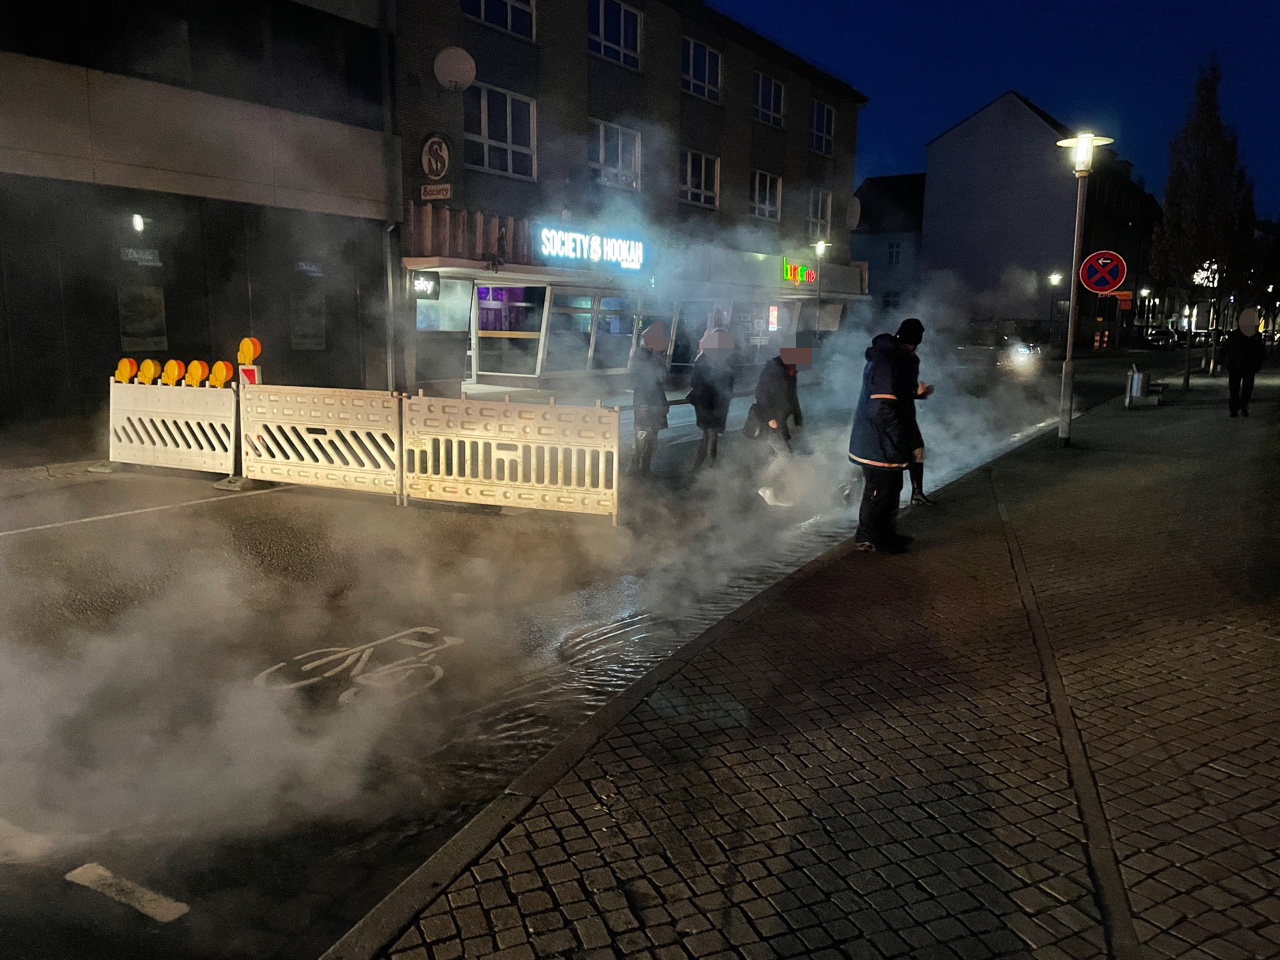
187, 428
537, 456
345, 439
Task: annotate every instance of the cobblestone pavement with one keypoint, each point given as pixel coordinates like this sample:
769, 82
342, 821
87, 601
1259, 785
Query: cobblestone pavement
871, 764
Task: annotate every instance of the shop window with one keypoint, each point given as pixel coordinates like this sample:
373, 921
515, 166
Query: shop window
699, 179
615, 328
509, 328
613, 32
766, 195
307, 306
692, 322
499, 130
142, 320
769, 100
699, 70
449, 314
614, 153
819, 220
513, 16
895, 254
822, 129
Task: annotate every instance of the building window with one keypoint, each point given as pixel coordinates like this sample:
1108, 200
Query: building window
766, 195
768, 100
699, 70
614, 153
513, 16
699, 179
613, 32
819, 214
895, 254
891, 299
499, 129
822, 129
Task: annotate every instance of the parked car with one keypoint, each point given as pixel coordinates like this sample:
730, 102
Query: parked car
1162, 338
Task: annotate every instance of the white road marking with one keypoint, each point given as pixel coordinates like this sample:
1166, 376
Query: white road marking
22, 846
134, 513
155, 905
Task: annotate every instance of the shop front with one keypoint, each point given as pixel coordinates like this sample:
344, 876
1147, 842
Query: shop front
578, 313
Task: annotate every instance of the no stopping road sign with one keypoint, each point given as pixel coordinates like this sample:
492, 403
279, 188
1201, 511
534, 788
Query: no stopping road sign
1103, 272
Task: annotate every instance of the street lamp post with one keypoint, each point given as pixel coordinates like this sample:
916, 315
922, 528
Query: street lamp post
1055, 278
821, 248
1081, 147
1145, 313
1186, 372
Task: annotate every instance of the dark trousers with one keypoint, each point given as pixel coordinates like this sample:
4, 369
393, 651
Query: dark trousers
1241, 386
881, 492
646, 443
709, 447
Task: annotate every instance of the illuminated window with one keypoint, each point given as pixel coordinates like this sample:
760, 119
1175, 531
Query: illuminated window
819, 221
699, 179
613, 32
699, 70
895, 254
614, 153
499, 130
766, 195
769, 100
822, 129
513, 16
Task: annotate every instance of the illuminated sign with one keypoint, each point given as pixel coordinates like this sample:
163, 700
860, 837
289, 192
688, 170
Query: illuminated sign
773, 319
797, 273
426, 284
591, 247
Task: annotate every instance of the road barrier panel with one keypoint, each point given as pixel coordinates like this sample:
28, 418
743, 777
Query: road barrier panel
322, 437
526, 455
183, 428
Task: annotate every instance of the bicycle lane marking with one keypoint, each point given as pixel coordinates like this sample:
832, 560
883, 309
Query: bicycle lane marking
157, 906
132, 513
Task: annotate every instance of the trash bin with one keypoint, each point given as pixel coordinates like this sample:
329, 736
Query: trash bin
1136, 385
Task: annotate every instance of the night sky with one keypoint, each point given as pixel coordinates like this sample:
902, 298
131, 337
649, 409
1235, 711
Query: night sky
1125, 70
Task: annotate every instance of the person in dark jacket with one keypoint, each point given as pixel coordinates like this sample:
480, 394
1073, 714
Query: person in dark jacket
711, 391
649, 396
777, 401
885, 437
1242, 355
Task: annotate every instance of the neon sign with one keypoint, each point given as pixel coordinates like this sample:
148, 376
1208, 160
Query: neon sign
797, 273
592, 247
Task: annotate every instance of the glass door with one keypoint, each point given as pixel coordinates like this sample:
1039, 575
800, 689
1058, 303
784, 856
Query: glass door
569, 329
509, 329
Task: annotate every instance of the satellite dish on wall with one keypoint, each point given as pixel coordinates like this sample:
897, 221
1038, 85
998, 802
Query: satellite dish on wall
855, 212
455, 69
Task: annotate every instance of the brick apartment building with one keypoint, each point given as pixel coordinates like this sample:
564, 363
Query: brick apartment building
695, 154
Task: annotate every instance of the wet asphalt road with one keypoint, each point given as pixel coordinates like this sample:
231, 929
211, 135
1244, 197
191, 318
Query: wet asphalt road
271, 707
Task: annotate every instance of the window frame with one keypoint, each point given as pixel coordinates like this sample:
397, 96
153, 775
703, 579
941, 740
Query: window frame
826, 135
691, 80
486, 142
769, 117
604, 44
686, 187
601, 167
891, 300
895, 253
824, 220
533, 17
756, 206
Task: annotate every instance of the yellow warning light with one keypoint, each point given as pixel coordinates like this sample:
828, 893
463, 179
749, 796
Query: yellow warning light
197, 372
250, 348
220, 374
173, 372
148, 372
126, 370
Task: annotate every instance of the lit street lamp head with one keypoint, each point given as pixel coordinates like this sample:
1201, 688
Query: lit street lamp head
1055, 278
821, 247
1081, 146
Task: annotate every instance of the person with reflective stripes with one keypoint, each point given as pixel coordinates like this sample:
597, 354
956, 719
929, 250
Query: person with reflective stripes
885, 437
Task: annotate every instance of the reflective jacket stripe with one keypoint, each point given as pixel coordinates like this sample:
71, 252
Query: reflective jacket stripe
877, 463
884, 396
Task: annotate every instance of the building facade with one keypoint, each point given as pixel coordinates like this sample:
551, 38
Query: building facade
176, 175
888, 237
613, 165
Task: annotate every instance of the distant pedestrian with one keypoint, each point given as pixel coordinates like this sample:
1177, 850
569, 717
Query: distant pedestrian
711, 392
885, 437
1242, 356
777, 402
649, 396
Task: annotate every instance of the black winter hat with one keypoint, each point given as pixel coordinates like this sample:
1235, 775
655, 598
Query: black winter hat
911, 331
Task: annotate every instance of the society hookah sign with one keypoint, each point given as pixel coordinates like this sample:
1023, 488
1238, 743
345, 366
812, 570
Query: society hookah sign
591, 248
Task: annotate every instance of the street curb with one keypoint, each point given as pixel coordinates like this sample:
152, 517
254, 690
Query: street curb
48, 471
391, 916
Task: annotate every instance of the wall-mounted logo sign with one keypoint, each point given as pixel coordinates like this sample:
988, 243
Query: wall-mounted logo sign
592, 248
435, 156
143, 258
309, 267
797, 273
425, 284
436, 191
